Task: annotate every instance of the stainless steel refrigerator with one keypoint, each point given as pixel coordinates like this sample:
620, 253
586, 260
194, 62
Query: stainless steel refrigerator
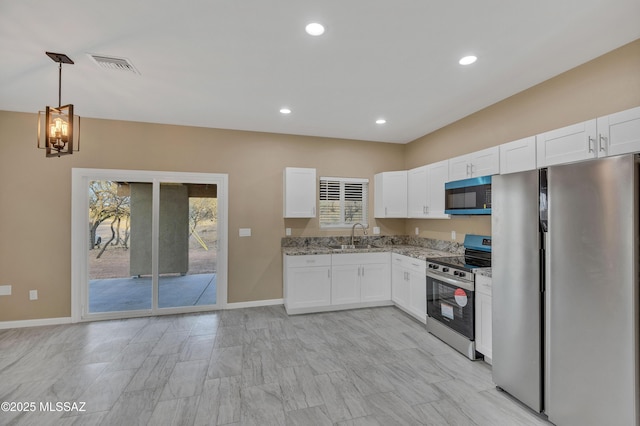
566, 296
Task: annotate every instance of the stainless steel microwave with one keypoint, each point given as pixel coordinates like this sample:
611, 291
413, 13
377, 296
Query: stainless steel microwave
468, 196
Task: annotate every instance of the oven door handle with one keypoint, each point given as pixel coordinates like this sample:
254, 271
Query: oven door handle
461, 284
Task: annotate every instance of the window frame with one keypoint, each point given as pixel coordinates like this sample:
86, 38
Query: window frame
343, 181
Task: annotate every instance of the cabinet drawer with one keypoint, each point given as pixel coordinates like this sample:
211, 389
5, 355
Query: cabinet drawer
412, 264
308, 260
359, 258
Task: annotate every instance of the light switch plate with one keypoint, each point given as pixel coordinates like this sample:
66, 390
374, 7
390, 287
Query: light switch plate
245, 232
33, 294
5, 290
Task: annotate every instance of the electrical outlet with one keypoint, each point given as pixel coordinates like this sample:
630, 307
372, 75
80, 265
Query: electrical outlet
33, 294
376, 230
417, 231
453, 235
287, 231
5, 290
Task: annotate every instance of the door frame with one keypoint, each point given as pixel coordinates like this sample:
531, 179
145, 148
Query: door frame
80, 178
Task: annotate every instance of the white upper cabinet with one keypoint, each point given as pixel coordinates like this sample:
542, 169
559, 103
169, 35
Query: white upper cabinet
300, 192
518, 156
568, 144
426, 191
613, 134
480, 163
619, 133
390, 195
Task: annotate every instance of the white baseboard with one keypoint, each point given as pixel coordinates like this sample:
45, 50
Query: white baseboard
67, 320
253, 304
34, 322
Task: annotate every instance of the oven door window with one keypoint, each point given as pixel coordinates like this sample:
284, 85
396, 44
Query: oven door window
453, 306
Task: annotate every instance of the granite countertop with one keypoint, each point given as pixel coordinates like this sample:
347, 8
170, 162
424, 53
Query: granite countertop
415, 247
416, 252
485, 272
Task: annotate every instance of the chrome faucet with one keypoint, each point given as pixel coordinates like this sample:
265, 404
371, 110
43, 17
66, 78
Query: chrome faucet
353, 231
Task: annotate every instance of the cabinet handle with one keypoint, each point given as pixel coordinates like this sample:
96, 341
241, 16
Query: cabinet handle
427, 209
603, 138
363, 271
313, 209
589, 143
385, 211
468, 172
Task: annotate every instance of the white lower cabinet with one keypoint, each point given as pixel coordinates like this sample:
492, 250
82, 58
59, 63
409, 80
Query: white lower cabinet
307, 282
483, 317
360, 278
409, 285
315, 283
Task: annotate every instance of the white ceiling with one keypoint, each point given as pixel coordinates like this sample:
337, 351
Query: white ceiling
234, 63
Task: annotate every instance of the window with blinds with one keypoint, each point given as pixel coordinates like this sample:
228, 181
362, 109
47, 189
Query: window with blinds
343, 202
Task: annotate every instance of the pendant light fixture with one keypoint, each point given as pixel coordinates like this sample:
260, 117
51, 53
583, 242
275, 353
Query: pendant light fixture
59, 128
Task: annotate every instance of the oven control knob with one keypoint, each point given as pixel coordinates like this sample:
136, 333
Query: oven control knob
461, 274
435, 266
445, 269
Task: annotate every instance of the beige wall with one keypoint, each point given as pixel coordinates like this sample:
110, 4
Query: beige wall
608, 84
35, 197
35, 192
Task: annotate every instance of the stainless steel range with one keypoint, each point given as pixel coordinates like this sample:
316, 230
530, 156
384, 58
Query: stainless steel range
451, 294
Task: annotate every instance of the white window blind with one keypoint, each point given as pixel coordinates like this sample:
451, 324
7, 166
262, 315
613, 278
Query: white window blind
343, 201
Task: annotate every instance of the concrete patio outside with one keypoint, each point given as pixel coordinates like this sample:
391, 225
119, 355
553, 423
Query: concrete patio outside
134, 293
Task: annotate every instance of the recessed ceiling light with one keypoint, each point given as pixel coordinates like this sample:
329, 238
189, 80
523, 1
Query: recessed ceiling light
381, 121
314, 29
285, 111
468, 60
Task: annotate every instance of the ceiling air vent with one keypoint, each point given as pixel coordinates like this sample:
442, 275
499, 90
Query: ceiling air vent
113, 63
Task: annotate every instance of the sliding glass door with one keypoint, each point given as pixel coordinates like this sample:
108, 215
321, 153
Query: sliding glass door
147, 243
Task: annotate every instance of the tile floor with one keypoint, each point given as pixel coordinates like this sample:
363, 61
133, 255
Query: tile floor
253, 366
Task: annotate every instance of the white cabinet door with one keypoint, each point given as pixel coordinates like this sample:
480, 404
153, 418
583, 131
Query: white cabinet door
568, 144
417, 188
459, 167
307, 281
418, 291
480, 163
409, 291
345, 284
426, 196
484, 339
483, 325
360, 278
437, 176
486, 162
300, 192
518, 156
390, 195
399, 283
619, 133
309, 287
375, 282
